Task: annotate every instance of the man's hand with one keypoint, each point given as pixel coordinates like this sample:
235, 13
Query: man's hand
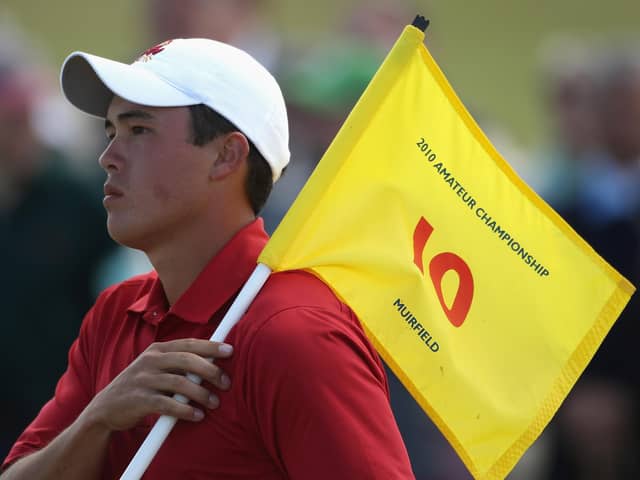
146, 386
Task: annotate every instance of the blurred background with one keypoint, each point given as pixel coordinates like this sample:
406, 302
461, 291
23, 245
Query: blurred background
555, 85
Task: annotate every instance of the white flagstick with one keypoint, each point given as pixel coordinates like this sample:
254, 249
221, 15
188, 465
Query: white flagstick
165, 423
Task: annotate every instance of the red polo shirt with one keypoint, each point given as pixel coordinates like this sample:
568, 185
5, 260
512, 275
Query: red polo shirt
309, 397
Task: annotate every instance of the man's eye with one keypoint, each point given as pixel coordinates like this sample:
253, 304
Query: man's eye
139, 130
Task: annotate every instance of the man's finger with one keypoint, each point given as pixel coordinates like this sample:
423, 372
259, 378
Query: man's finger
186, 362
168, 406
172, 384
203, 348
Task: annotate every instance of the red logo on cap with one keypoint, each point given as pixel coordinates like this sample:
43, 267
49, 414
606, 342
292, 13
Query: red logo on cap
148, 54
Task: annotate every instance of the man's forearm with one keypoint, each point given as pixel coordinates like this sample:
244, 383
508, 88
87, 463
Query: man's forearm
77, 453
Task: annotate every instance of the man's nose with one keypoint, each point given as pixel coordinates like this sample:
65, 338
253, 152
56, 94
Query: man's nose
112, 158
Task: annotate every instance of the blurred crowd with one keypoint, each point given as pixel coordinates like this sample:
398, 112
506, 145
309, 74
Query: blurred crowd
57, 256
590, 174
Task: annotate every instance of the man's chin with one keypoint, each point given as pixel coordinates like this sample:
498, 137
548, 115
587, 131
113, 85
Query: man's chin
127, 237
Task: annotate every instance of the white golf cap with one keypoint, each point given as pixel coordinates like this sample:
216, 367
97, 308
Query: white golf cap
184, 72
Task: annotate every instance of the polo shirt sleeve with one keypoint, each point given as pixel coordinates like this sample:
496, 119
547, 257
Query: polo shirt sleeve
73, 393
320, 400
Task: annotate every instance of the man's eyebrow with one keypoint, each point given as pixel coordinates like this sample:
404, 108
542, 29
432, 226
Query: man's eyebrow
140, 114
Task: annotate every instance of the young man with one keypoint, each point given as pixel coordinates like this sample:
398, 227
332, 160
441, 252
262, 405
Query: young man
198, 133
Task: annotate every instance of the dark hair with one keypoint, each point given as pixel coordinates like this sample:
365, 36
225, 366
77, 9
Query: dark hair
207, 124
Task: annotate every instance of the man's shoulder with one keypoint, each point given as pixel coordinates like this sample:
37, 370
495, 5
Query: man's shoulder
298, 328
294, 290
297, 304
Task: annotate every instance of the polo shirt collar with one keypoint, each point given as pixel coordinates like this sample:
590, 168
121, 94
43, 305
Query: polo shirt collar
221, 279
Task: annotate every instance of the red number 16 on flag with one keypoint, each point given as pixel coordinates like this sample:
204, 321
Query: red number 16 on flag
438, 266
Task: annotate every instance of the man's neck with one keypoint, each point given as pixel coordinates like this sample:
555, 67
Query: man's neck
179, 263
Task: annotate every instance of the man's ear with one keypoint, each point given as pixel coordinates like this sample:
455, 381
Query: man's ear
233, 149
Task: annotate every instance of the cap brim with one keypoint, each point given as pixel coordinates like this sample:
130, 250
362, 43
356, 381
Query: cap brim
89, 82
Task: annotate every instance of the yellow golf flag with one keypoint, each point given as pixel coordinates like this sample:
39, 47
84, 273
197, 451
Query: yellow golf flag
485, 303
